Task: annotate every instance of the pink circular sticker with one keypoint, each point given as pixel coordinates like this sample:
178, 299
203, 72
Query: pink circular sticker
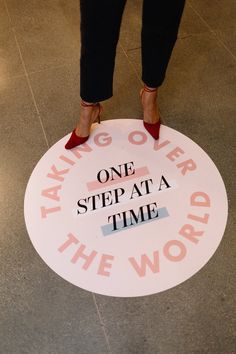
125, 215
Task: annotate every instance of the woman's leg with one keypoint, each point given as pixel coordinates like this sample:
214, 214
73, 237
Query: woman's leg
160, 24
100, 28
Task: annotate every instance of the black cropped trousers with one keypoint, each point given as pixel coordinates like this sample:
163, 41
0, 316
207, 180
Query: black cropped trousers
100, 22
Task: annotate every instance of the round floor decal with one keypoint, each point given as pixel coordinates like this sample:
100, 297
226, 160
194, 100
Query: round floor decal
123, 214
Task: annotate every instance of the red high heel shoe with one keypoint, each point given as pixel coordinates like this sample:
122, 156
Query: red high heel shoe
152, 128
76, 140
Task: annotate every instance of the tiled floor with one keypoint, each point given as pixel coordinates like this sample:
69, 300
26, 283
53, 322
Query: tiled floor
39, 104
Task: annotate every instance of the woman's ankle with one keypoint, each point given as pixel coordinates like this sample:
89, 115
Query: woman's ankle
151, 88
91, 103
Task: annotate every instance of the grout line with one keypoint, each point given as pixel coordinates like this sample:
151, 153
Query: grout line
26, 75
130, 49
102, 325
130, 63
213, 32
31, 90
8, 13
51, 68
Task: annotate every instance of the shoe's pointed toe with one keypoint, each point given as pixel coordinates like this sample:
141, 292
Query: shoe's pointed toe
75, 140
153, 129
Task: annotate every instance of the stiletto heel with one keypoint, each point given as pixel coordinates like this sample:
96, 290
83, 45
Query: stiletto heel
152, 128
76, 140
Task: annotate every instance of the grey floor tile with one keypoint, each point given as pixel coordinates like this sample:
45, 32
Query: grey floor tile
57, 95
228, 37
197, 316
40, 312
186, 319
45, 314
218, 15
22, 144
191, 23
70, 10
4, 20
10, 60
22, 10
45, 37
131, 25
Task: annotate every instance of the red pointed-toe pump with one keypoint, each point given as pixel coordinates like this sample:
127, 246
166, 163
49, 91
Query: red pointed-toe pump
152, 128
76, 140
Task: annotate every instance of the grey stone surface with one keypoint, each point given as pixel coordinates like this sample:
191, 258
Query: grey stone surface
39, 103
44, 36
10, 58
40, 312
217, 15
4, 19
228, 39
